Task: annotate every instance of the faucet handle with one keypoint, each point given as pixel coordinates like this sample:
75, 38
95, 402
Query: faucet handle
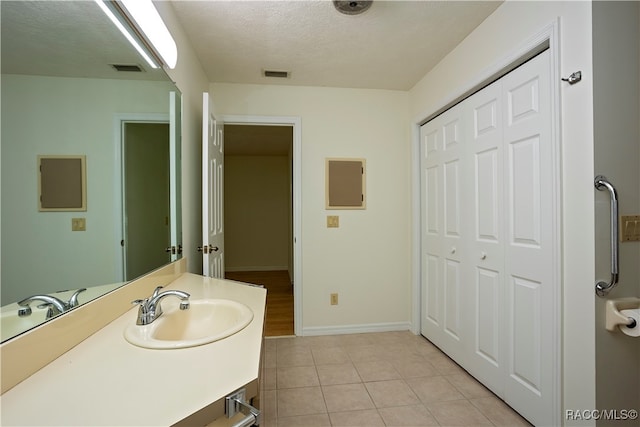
73, 301
156, 291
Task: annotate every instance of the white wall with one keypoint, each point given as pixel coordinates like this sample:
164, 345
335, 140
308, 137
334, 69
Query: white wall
367, 259
496, 39
52, 115
616, 59
256, 213
190, 78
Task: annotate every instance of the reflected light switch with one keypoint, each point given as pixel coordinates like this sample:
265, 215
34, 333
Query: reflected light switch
78, 224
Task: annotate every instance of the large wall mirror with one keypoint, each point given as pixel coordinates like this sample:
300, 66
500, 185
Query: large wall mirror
72, 85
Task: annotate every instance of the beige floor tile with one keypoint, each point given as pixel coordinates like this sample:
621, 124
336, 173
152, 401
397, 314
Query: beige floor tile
416, 366
393, 352
292, 342
338, 374
300, 401
457, 413
364, 418
316, 420
425, 347
413, 416
356, 339
376, 371
391, 393
499, 412
362, 353
346, 397
270, 344
294, 356
297, 376
340, 380
269, 378
433, 389
330, 356
269, 406
270, 358
324, 341
444, 364
468, 386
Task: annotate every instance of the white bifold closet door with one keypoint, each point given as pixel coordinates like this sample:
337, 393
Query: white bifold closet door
490, 277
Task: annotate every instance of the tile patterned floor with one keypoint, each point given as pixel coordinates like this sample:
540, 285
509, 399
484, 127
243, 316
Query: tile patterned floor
376, 379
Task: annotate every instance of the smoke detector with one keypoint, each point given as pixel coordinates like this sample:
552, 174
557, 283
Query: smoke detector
352, 7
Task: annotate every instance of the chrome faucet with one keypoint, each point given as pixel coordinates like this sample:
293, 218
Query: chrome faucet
150, 308
54, 305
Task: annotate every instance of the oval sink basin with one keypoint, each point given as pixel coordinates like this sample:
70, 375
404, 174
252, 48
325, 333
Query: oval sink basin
205, 321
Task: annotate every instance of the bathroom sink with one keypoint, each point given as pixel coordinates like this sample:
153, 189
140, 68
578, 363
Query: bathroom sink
206, 321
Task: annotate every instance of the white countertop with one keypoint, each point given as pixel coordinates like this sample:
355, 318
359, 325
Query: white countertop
105, 380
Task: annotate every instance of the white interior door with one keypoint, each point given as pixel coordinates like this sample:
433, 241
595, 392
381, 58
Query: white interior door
531, 262
212, 191
443, 230
489, 268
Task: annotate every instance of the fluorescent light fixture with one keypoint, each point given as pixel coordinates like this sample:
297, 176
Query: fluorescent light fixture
149, 21
126, 33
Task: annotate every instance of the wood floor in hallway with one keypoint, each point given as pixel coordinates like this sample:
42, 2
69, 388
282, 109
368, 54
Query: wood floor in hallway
279, 316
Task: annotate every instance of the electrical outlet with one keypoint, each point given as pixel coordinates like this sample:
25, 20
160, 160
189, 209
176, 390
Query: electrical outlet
78, 224
333, 221
334, 299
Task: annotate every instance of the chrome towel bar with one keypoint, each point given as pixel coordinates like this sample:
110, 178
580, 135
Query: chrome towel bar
603, 288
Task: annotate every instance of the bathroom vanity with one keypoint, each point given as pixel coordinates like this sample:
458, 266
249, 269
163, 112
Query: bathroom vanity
105, 380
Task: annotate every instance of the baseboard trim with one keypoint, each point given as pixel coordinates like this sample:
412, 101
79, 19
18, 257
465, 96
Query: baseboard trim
356, 329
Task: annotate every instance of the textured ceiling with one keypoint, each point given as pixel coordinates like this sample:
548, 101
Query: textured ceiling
65, 39
390, 46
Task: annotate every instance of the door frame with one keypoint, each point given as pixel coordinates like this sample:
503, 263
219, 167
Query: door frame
295, 122
119, 122
546, 37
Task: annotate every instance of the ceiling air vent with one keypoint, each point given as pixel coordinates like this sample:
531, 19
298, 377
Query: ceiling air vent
278, 74
128, 67
352, 7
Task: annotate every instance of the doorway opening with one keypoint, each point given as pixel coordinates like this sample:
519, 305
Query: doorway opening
259, 216
145, 197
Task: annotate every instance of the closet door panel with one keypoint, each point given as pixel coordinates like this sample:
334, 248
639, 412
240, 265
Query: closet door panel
530, 252
490, 242
486, 243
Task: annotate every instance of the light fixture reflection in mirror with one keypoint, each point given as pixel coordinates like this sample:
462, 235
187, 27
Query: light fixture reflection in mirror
146, 16
125, 32
62, 101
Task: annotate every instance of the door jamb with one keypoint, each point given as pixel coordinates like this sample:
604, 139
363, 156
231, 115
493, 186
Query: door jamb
295, 122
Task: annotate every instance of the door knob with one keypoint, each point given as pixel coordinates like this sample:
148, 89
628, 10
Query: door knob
171, 250
483, 255
208, 249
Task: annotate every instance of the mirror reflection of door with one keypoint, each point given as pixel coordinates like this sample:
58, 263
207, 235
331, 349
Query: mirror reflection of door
146, 197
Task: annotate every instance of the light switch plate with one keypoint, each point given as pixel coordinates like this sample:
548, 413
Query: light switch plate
630, 228
333, 221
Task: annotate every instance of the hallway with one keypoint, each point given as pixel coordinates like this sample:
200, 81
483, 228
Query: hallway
279, 316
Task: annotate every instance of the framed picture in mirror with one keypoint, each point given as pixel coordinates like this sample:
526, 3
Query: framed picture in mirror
62, 183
